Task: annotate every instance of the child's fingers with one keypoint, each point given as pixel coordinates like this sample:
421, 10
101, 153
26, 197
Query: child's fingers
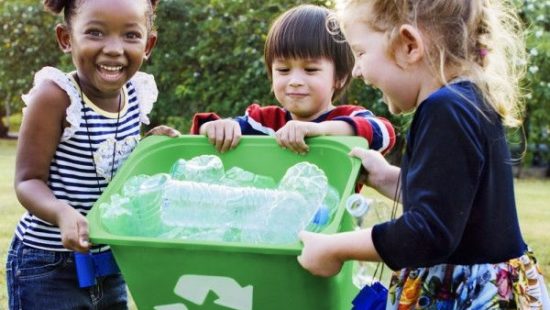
219, 136
359, 152
227, 139
303, 235
299, 145
236, 137
282, 139
83, 237
210, 133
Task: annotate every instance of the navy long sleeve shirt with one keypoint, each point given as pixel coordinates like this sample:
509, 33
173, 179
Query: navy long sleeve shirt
457, 182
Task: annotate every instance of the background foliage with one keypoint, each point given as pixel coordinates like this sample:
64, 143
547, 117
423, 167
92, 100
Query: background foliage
209, 57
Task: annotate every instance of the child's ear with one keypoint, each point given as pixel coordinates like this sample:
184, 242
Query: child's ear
410, 48
151, 42
63, 36
339, 84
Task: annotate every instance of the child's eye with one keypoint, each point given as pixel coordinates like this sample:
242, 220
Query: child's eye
133, 35
94, 33
282, 70
312, 69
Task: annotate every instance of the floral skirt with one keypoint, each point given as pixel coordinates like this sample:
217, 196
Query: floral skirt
516, 284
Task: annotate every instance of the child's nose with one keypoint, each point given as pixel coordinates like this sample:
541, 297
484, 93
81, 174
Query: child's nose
296, 79
113, 46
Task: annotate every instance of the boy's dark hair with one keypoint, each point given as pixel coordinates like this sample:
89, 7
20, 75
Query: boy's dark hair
302, 32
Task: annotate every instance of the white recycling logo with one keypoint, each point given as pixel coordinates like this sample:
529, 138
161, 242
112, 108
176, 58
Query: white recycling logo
195, 288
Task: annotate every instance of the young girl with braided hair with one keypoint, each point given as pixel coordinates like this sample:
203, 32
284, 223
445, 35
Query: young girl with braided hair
457, 245
77, 129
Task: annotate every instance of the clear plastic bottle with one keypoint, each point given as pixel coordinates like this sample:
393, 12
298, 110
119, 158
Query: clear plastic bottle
116, 217
203, 168
357, 206
237, 176
260, 215
248, 214
366, 212
193, 203
327, 210
137, 212
307, 179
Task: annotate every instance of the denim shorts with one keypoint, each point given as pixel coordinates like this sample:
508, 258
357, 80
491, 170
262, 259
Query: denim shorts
41, 279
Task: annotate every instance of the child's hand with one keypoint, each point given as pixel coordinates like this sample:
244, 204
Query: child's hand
224, 134
317, 256
380, 175
292, 135
74, 230
163, 130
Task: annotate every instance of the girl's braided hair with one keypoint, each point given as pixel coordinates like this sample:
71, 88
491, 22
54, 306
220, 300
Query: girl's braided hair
68, 8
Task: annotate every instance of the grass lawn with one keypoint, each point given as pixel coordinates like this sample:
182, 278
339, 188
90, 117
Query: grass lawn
532, 197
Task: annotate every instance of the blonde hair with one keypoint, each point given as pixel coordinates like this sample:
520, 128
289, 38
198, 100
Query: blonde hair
482, 40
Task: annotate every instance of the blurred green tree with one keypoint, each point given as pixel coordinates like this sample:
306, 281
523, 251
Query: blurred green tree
209, 57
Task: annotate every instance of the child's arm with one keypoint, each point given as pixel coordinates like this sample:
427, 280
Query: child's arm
40, 133
292, 134
378, 131
324, 255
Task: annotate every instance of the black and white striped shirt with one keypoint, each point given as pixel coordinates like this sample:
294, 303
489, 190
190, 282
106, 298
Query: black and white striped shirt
73, 177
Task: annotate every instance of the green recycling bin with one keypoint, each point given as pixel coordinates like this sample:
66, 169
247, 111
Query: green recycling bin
185, 275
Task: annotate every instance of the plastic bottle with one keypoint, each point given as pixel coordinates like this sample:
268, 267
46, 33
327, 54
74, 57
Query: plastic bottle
137, 214
116, 217
188, 206
237, 176
307, 179
261, 215
325, 214
203, 168
357, 206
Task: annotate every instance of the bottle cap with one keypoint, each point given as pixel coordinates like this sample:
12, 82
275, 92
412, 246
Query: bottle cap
321, 216
357, 205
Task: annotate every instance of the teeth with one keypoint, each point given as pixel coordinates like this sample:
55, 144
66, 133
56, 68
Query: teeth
111, 68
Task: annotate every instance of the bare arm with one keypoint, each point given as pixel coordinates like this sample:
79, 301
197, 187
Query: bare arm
293, 133
333, 128
324, 255
40, 133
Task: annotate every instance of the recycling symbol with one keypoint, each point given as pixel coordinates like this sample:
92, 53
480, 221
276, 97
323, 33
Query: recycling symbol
195, 288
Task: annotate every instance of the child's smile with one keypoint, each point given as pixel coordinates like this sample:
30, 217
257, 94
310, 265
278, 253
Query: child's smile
304, 86
111, 73
108, 42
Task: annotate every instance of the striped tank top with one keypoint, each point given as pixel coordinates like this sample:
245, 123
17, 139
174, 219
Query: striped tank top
74, 177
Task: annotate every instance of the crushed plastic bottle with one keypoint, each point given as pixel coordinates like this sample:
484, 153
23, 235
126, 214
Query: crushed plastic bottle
327, 210
307, 179
237, 176
138, 212
261, 215
196, 201
203, 168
